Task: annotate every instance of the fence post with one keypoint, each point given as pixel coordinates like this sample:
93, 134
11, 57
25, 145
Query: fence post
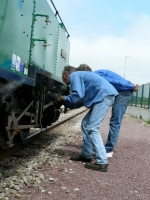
131, 99
142, 95
136, 99
149, 98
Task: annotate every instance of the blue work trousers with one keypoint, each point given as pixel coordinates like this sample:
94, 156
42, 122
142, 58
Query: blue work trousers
92, 140
118, 110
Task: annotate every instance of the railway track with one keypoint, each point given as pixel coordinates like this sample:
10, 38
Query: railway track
36, 133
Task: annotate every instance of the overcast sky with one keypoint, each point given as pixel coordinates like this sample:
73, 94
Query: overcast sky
104, 32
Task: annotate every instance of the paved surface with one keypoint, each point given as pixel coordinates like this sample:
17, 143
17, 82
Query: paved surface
128, 175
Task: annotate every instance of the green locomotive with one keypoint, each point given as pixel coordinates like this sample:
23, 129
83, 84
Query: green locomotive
34, 48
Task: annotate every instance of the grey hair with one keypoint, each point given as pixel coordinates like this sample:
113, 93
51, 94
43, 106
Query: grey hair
69, 69
84, 67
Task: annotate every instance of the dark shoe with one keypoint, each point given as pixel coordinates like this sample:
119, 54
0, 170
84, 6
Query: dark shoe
93, 153
80, 158
98, 167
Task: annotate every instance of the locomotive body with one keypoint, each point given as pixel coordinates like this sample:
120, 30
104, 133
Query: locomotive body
34, 48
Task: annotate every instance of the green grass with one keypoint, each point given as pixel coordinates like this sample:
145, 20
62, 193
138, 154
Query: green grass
148, 121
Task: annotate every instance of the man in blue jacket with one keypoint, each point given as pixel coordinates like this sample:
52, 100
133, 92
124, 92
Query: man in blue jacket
97, 94
119, 107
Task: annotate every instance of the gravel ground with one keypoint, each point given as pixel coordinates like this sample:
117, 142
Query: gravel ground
128, 175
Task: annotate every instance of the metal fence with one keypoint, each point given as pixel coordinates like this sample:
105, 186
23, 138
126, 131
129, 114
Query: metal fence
142, 97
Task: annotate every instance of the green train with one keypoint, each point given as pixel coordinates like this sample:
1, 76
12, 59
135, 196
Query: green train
34, 48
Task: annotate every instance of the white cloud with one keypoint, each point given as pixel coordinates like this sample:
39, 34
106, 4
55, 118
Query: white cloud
108, 52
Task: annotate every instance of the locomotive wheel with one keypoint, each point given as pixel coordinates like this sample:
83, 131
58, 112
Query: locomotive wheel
57, 113
22, 99
54, 115
3, 139
47, 117
6, 137
23, 134
3, 135
50, 115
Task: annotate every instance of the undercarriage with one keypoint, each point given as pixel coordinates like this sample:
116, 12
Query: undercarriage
23, 109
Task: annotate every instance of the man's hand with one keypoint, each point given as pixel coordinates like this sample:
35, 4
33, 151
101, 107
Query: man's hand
136, 87
59, 100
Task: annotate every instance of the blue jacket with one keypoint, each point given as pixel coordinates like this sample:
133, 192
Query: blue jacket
88, 88
116, 80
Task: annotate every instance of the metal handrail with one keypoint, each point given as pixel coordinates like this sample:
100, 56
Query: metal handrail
57, 13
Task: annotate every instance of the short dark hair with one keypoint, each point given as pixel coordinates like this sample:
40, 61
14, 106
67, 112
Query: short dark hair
69, 69
84, 67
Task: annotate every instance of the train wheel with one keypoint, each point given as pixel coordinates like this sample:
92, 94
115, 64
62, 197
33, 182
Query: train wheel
23, 101
49, 116
7, 136
3, 139
54, 115
3, 135
23, 134
57, 114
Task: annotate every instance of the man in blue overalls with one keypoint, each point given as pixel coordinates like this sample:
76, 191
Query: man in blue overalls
125, 89
97, 94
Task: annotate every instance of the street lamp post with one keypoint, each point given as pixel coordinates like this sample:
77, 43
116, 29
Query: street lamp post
125, 64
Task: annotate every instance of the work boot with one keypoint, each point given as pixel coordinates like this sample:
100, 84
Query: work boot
93, 153
80, 158
98, 167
